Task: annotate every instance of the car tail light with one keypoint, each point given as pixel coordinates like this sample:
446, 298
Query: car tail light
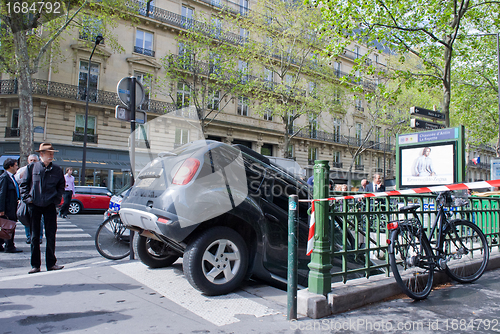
186, 172
163, 220
392, 226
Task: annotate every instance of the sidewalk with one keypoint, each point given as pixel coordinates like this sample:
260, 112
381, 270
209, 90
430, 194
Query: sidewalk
102, 296
360, 292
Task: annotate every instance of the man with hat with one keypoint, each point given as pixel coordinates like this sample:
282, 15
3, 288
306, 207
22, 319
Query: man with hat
42, 187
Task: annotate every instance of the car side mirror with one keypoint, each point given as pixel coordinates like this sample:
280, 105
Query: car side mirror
109, 194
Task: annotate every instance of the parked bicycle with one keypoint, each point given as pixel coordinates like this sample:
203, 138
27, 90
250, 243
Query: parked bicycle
459, 248
112, 239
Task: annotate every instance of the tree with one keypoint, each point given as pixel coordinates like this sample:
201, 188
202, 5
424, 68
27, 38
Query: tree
203, 74
475, 104
24, 44
286, 63
427, 30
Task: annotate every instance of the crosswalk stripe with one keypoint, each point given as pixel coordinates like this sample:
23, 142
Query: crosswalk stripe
60, 254
219, 310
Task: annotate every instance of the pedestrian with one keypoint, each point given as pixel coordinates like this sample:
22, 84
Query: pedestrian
69, 192
9, 196
364, 183
19, 175
42, 187
376, 185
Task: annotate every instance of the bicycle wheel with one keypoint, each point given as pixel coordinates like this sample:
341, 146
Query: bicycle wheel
112, 239
411, 261
466, 251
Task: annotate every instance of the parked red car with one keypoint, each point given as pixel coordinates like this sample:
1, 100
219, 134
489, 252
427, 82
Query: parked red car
89, 198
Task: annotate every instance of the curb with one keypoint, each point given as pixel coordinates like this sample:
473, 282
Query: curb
359, 292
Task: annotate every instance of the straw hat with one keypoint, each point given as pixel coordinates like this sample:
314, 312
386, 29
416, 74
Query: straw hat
46, 147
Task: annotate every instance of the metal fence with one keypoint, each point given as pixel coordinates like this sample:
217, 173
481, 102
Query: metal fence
359, 227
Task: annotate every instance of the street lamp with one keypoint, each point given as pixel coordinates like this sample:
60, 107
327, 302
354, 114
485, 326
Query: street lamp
385, 141
98, 41
498, 82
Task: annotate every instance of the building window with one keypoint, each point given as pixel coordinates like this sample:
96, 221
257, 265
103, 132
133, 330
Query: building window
143, 9
378, 132
359, 133
375, 58
243, 106
358, 162
336, 129
80, 128
336, 160
312, 88
187, 17
268, 115
144, 43
213, 100
244, 35
216, 26
266, 149
145, 79
291, 121
357, 52
183, 95
93, 83
243, 7
243, 69
312, 154
13, 130
337, 69
291, 151
336, 95
313, 127
358, 104
181, 137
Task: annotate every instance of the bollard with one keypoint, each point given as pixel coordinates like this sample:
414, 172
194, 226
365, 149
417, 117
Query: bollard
293, 208
320, 278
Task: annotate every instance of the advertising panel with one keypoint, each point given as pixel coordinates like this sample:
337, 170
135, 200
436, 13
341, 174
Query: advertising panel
428, 165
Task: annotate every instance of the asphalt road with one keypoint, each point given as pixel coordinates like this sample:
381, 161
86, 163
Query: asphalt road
74, 242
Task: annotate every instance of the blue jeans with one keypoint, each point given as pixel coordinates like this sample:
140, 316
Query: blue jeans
27, 230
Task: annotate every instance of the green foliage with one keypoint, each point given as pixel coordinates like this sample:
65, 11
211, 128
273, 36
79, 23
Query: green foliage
425, 29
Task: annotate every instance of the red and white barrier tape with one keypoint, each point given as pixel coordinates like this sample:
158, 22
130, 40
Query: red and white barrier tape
458, 186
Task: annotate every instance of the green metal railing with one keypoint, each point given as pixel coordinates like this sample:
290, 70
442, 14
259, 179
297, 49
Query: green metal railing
359, 227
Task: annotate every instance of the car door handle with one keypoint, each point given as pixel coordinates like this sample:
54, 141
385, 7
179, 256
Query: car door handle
271, 218
92, 196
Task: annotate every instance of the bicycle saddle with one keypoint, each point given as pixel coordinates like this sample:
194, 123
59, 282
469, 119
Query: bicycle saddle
411, 207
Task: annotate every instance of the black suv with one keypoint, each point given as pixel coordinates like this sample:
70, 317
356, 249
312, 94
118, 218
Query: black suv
224, 209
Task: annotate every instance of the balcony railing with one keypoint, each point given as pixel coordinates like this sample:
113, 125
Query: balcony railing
183, 22
76, 93
143, 51
336, 164
336, 138
11, 132
359, 167
78, 136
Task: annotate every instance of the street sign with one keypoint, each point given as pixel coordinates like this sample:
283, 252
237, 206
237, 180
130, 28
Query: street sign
418, 123
427, 113
124, 114
123, 90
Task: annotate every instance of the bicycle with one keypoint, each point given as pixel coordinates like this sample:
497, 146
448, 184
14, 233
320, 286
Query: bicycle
112, 239
460, 248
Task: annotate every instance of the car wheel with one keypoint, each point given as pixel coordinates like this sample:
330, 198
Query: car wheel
216, 262
74, 208
154, 253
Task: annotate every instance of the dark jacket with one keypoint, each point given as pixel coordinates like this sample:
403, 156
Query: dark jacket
42, 186
370, 188
8, 196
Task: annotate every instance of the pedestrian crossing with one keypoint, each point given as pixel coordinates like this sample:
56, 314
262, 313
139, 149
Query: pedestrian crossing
72, 244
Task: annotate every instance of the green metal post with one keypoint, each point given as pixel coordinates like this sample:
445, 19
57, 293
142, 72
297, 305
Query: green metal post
320, 279
293, 233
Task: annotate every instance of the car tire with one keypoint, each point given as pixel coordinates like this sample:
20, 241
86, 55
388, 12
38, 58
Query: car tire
74, 207
212, 269
154, 253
